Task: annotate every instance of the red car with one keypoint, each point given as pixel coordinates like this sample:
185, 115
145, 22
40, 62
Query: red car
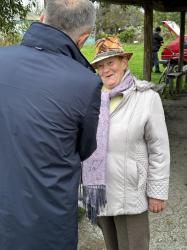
171, 51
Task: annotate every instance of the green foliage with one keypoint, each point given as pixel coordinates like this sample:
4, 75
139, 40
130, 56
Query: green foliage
127, 36
10, 38
22, 27
114, 17
10, 10
158, 17
101, 35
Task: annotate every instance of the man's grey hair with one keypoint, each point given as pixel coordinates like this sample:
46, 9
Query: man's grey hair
74, 17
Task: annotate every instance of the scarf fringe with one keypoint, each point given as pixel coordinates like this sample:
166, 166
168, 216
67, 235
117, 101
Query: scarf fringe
94, 198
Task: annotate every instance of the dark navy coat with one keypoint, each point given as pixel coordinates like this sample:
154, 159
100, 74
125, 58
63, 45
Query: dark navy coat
157, 41
49, 106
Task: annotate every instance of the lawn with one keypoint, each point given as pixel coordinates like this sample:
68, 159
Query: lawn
135, 64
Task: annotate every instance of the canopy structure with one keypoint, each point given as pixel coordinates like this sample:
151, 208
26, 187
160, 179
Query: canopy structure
159, 5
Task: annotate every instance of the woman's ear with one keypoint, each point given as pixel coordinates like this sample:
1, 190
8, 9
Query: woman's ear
125, 62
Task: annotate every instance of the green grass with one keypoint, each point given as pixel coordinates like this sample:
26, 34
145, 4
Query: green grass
80, 214
135, 64
88, 52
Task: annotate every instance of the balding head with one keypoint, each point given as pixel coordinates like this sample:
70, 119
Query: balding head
74, 17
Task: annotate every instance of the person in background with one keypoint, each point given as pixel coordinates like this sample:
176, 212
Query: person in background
49, 108
157, 42
128, 174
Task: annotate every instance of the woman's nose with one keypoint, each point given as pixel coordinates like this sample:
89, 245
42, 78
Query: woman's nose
105, 68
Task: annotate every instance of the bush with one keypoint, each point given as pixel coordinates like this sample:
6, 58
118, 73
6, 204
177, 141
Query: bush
127, 36
16, 35
101, 35
9, 39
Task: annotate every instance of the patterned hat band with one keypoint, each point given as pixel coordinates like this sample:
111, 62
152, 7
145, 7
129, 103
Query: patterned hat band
109, 53
109, 47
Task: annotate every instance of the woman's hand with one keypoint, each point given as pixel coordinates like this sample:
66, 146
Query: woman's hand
155, 205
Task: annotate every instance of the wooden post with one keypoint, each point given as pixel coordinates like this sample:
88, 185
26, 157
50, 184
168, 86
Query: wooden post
181, 54
148, 34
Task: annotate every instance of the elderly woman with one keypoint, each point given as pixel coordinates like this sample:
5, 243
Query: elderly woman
128, 174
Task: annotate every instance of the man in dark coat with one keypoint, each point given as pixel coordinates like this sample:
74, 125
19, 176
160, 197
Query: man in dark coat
49, 107
157, 42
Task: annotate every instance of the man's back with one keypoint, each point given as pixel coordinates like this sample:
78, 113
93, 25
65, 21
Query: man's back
48, 104
157, 41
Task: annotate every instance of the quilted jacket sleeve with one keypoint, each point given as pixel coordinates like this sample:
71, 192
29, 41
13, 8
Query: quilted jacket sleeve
156, 136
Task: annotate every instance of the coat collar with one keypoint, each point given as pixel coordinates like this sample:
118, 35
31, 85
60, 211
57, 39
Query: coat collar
46, 37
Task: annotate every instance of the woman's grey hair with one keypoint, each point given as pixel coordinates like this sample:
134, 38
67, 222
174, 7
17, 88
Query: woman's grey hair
74, 17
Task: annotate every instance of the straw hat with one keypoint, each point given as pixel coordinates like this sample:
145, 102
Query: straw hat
109, 47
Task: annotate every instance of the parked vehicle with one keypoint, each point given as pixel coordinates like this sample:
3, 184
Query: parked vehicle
171, 51
169, 59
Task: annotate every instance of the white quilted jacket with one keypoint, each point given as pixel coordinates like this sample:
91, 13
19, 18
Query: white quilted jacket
138, 152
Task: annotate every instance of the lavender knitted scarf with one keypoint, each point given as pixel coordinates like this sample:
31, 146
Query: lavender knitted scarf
94, 168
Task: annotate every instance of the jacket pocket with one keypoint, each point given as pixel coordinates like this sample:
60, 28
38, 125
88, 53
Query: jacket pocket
142, 176
132, 175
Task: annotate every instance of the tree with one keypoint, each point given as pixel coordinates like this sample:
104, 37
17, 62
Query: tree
112, 18
10, 9
158, 17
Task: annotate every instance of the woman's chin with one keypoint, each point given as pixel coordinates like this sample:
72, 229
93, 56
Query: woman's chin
110, 85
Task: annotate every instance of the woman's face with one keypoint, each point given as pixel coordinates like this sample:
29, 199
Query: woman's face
111, 70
